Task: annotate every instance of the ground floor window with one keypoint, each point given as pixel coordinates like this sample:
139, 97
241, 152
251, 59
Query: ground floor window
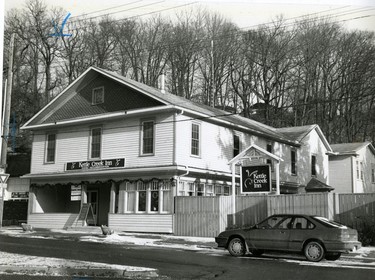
203, 189
145, 197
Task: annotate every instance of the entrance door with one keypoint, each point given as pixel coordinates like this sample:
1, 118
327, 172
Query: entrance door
92, 198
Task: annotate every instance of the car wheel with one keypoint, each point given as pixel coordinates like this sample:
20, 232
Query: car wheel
256, 252
314, 251
237, 247
333, 256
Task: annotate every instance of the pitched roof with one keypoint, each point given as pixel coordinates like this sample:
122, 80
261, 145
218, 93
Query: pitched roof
351, 148
298, 133
63, 106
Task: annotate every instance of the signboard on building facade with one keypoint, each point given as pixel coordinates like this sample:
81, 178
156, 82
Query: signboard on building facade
95, 164
256, 179
75, 192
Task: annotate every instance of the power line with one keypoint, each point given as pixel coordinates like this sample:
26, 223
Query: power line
102, 10
106, 15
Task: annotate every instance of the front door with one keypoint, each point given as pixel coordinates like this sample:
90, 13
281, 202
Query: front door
92, 198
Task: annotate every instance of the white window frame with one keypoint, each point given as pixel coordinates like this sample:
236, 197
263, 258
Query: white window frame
142, 153
90, 142
193, 139
94, 97
46, 148
148, 188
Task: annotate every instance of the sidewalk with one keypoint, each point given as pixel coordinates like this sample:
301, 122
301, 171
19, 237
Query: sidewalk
22, 264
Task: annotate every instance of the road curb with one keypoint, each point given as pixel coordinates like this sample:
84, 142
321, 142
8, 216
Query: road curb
83, 271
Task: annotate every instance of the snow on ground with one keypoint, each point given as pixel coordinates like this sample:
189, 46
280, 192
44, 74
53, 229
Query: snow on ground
10, 259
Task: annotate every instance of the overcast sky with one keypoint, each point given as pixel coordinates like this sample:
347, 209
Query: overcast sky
353, 14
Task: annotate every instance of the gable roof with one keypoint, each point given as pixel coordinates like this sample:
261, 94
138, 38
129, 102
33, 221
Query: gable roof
56, 112
298, 133
351, 148
257, 148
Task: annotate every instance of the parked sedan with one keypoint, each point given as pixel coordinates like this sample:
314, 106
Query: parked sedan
315, 237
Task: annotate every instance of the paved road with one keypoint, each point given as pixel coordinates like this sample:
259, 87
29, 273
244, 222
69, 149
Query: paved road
181, 264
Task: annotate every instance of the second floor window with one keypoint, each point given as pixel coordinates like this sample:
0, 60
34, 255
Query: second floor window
96, 142
147, 137
293, 155
236, 145
313, 165
51, 148
195, 139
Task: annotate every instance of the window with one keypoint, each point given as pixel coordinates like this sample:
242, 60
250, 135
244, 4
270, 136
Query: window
236, 145
222, 189
142, 197
362, 178
154, 197
51, 148
272, 222
97, 96
96, 142
313, 165
373, 173
147, 197
200, 190
293, 155
195, 139
191, 189
148, 138
209, 190
302, 223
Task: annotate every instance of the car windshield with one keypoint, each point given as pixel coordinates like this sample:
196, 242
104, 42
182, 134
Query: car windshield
329, 223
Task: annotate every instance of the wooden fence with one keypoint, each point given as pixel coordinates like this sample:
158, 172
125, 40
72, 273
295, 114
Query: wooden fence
208, 216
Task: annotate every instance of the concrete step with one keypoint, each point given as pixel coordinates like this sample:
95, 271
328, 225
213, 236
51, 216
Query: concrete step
88, 229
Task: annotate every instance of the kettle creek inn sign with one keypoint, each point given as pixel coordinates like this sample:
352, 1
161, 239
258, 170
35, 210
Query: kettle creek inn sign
95, 164
256, 179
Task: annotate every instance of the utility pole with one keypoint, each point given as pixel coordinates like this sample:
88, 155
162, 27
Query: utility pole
5, 125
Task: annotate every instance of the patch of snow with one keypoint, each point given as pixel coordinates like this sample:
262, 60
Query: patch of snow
19, 260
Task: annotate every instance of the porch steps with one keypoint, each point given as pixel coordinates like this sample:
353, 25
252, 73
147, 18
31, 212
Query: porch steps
88, 229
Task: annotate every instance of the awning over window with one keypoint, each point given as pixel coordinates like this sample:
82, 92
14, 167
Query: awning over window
317, 186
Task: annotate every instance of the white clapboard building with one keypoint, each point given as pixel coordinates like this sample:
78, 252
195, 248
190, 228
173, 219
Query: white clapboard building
128, 149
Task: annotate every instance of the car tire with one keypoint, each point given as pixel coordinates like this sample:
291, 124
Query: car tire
332, 256
236, 247
257, 252
314, 251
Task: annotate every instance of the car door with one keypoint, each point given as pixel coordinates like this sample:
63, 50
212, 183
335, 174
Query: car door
272, 234
301, 230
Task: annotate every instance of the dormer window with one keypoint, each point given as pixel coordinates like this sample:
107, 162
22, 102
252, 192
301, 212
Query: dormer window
97, 96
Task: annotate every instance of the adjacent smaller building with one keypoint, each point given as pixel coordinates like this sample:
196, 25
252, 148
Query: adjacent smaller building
352, 167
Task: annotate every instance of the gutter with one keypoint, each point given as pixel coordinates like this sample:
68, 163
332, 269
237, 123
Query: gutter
95, 118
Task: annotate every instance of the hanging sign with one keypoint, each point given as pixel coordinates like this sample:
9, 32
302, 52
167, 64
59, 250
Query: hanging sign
75, 192
256, 179
96, 164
